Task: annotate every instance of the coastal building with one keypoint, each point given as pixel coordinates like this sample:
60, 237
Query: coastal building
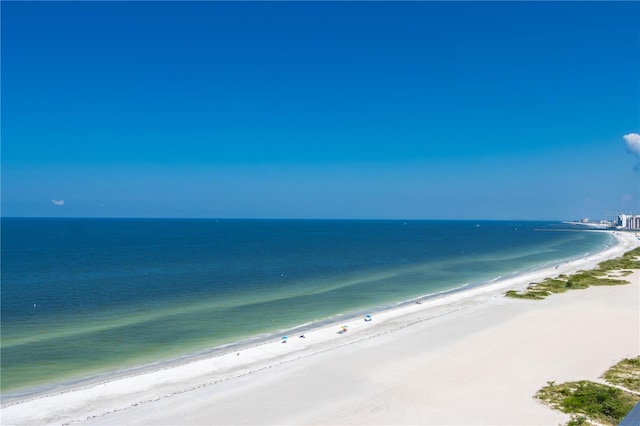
628, 221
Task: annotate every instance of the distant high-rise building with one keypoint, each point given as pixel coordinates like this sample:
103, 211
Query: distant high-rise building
626, 221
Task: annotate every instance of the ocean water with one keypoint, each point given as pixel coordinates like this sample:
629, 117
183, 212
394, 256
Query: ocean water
82, 298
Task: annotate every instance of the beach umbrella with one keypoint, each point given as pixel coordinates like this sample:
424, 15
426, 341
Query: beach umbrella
284, 338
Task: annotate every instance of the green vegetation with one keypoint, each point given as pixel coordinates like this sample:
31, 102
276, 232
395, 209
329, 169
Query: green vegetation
629, 260
595, 402
626, 374
601, 275
529, 294
579, 421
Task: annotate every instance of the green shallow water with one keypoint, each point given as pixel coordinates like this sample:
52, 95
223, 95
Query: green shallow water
121, 293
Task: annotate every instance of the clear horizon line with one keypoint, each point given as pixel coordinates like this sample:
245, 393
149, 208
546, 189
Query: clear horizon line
296, 218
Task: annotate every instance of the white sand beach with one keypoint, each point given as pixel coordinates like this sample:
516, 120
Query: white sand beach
472, 357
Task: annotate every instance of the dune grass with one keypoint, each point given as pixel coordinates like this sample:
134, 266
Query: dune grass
626, 374
589, 402
606, 273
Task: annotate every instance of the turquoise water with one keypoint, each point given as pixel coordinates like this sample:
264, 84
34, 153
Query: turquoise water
82, 297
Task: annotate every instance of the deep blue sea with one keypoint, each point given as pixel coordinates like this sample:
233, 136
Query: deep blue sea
85, 297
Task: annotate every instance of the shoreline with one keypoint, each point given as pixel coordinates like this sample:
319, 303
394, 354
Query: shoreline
158, 383
248, 341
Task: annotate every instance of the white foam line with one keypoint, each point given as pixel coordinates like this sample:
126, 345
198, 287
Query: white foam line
120, 393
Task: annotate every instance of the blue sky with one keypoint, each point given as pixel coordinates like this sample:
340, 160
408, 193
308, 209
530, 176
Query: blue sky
414, 110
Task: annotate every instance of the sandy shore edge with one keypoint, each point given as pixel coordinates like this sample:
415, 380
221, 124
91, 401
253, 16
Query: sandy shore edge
164, 395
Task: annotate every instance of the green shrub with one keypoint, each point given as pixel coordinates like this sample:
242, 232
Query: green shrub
626, 373
578, 421
597, 402
629, 260
581, 279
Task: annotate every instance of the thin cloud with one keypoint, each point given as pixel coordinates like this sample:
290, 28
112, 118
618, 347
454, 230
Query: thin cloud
58, 202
